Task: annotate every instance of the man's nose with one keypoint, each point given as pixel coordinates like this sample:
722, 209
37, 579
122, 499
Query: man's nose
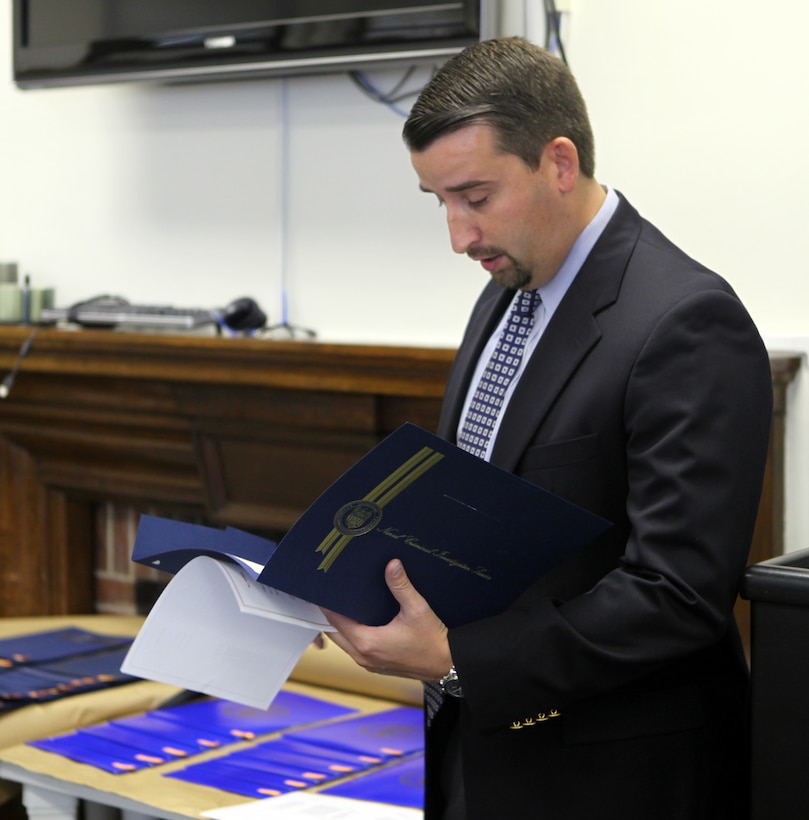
462, 232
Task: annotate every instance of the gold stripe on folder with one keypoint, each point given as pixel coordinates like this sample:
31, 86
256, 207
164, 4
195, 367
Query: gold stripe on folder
368, 510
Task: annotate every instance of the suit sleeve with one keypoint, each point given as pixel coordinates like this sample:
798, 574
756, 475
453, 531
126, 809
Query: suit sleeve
697, 409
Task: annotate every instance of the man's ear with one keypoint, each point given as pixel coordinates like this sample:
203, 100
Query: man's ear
562, 153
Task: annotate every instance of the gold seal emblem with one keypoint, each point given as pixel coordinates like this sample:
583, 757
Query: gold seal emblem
357, 517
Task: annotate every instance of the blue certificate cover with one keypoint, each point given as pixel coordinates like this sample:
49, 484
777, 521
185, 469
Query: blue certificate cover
166, 747
237, 722
471, 536
169, 545
31, 682
27, 684
331, 761
93, 670
155, 728
389, 734
276, 766
400, 784
128, 744
313, 756
340, 761
219, 775
149, 739
55, 644
109, 755
255, 767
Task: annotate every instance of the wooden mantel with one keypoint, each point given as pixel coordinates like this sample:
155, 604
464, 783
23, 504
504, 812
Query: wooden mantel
241, 431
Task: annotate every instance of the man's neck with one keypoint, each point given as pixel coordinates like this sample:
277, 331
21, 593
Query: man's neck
591, 197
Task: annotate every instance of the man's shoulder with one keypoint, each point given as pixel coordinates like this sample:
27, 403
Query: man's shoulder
662, 260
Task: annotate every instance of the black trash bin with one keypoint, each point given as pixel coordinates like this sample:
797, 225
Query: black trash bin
778, 591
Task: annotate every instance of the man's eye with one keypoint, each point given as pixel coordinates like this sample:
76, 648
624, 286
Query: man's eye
477, 203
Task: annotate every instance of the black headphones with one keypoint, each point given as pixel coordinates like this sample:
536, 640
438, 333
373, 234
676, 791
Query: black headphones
243, 314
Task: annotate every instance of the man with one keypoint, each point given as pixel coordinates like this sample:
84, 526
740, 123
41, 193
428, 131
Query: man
614, 688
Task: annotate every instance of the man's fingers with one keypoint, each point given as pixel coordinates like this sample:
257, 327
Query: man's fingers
399, 584
395, 574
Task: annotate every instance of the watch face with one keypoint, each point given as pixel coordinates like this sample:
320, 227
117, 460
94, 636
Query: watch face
453, 688
451, 685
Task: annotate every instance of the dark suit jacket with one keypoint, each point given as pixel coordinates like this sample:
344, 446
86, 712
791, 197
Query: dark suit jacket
648, 401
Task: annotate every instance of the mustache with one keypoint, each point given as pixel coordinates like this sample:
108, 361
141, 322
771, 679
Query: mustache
478, 254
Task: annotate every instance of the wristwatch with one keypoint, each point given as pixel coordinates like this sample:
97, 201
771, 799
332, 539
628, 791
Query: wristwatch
451, 685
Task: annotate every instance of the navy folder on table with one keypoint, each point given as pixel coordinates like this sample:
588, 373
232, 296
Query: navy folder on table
53, 664
401, 784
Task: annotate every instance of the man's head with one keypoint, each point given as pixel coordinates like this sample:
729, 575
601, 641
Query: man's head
500, 136
525, 93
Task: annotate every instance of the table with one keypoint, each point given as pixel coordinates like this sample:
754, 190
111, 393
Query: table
55, 717
53, 786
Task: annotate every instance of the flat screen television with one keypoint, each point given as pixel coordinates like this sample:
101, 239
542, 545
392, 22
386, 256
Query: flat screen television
72, 42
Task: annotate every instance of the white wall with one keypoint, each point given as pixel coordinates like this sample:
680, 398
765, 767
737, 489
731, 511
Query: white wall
701, 117
171, 194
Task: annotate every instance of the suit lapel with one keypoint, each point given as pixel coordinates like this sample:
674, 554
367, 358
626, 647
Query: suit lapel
552, 363
569, 337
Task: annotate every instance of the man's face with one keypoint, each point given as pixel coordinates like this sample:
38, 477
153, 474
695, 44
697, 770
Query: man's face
500, 212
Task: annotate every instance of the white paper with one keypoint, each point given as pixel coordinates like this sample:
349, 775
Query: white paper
311, 806
216, 630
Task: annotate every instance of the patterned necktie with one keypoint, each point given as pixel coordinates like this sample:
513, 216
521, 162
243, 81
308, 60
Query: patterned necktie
491, 390
484, 409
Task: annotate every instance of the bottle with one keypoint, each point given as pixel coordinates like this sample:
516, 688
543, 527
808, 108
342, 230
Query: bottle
26, 300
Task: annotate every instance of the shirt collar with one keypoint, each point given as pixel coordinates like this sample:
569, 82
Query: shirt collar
554, 291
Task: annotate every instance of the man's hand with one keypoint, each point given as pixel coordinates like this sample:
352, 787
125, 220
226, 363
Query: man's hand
413, 645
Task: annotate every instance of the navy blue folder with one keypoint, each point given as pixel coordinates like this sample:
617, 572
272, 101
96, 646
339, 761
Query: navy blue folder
471, 536
54, 645
48, 665
169, 545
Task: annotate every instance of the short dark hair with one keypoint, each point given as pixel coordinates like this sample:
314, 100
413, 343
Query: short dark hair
524, 92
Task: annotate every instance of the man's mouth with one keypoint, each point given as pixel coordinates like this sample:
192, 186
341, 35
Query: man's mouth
491, 263
490, 259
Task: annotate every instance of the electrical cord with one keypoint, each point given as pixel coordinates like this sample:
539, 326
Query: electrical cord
8, 382
553, 33
397, 94
389, 98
